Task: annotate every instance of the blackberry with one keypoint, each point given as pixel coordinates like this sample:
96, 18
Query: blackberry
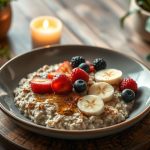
128, 95
76, 61
80, 86
99, 64
85, 67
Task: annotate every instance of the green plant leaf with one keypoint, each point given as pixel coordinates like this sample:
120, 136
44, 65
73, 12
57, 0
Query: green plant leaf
4, 52
147, 26
4, 3
148, 57
122, 20
145, 4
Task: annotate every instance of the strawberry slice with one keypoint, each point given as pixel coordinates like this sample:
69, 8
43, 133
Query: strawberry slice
40, 85
51, 75
65, 67
61, 84
78, 73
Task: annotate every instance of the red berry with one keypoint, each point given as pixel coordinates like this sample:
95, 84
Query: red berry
65, 67
51, 75
128, 83
40, 85
78, 73
92, 69
61, 84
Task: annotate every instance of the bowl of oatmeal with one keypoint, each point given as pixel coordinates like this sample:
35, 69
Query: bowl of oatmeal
74, 91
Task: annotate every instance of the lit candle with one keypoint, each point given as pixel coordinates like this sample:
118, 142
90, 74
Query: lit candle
45, 30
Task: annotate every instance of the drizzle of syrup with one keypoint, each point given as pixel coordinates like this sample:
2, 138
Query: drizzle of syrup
66, 104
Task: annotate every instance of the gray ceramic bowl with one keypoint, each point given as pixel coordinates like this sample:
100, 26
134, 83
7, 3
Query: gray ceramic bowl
19, 67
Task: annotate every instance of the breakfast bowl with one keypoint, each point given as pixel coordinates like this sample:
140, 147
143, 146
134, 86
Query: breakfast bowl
19, 67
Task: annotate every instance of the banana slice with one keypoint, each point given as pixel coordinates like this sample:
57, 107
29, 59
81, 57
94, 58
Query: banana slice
102, 89
91, 105
111, 76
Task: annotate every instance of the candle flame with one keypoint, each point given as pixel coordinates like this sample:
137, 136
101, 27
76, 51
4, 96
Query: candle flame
45, 24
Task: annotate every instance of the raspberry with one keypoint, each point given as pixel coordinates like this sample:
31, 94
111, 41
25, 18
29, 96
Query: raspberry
78, 73
76, 61
61, 84
128, 83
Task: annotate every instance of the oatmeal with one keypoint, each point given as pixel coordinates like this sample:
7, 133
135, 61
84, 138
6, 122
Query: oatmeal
75, 95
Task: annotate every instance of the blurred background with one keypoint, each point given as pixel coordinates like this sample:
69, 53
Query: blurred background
88, 22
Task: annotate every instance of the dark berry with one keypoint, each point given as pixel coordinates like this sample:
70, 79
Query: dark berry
128, 95
80, 86
99, 64
76, 61
85, 67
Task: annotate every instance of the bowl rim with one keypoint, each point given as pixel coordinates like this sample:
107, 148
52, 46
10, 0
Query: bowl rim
109, 128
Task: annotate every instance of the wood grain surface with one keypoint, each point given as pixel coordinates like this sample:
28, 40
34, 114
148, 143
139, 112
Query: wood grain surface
135, 138
90, 22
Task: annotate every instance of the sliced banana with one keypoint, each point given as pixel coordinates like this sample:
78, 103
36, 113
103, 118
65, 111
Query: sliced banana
102, 89
91, 105
111, 76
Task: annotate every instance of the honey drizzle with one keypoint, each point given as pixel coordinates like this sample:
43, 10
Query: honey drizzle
66, 104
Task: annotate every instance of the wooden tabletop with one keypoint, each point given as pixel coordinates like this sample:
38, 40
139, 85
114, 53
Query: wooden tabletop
90, 22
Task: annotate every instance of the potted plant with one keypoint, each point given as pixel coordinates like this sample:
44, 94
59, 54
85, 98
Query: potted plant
141, 17
4, 54
5, 17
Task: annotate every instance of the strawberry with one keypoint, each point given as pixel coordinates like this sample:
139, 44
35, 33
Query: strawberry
78, 73
51, 75
40, 85
128, 83
61, 84
65, 67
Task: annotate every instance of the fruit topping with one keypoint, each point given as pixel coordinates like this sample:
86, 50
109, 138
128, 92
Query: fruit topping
128, 83
61, 84
80, 86
99, 64
40, 85
76, 61
111, 76
85, 67
78, 73
128, 95
92, 69
102, 89
91, 105
65, 67
51, 75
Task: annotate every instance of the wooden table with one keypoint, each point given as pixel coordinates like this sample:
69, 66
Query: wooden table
90, 22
